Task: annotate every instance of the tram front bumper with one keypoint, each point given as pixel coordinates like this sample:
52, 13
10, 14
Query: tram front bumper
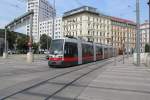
55, 63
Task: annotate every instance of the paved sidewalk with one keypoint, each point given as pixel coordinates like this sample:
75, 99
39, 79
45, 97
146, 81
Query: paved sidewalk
120, 82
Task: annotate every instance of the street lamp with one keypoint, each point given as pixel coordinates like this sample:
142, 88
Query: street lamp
123, 47
5, 44
113, 43
149, 20
127, 41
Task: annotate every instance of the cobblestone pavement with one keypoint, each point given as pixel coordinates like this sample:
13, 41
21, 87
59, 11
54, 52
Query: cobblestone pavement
120, 82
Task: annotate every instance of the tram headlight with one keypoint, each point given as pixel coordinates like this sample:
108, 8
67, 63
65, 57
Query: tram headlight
60, 57
50, 56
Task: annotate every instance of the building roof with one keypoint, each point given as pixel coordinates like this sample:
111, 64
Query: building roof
122, 20
95, 11
81, 9
144, 26
146, 23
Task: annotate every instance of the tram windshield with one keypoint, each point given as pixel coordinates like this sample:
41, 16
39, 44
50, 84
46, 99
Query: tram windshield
57, 47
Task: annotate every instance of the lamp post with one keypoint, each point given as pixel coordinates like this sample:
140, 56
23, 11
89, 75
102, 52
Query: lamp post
5, 46
149, 20
113, 43
47, 40
127, 41
123, 48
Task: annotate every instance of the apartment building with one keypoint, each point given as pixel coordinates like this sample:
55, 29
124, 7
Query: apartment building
42, 11
144, 29
46, 27
123, 32
86, 22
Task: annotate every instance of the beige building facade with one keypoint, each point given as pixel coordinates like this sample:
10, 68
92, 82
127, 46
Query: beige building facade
86, 22
144, 29
123, 34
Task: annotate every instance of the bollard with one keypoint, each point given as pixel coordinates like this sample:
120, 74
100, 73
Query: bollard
134, 58
144, 57
148, 61
5, 55
30, 57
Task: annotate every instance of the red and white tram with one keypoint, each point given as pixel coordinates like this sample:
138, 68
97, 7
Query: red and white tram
71, 51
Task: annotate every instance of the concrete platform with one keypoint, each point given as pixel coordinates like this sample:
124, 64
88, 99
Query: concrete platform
120, 82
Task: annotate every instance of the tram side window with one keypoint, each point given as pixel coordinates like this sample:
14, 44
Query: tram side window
71, 50
83, 50
87, 50
99, 50
91, 50
106, 50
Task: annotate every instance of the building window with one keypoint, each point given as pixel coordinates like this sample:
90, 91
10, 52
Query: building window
88, 32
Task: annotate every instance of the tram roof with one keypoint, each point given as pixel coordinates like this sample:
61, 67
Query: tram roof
75, 40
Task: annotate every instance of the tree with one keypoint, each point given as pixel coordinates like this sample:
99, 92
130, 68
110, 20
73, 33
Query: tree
22, 44
45, 41
35, 47
11, 38
147, 48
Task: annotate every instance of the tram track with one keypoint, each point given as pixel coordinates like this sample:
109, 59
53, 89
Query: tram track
79, 68
74, 80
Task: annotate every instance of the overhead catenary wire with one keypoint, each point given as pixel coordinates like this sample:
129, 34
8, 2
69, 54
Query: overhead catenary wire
23, 1
11, 4
79, 3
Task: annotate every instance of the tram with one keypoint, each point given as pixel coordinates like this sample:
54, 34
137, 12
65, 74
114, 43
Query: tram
74, 51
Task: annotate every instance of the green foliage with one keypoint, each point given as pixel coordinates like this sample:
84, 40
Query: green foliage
22, 44
35, 47
147, 48
43, 41
2, 33
11, 37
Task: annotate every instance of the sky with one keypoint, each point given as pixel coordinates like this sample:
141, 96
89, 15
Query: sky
10, 9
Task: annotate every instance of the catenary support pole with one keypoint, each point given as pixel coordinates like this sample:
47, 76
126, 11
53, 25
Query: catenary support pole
30, 58
149, 20
127, 42
53, 32
138, 32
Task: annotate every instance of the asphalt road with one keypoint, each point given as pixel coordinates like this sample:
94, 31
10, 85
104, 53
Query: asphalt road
15, 70
94, 81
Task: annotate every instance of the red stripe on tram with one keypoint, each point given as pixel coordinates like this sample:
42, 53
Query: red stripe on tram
55, 59
71, 59
66, 59
88, 58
